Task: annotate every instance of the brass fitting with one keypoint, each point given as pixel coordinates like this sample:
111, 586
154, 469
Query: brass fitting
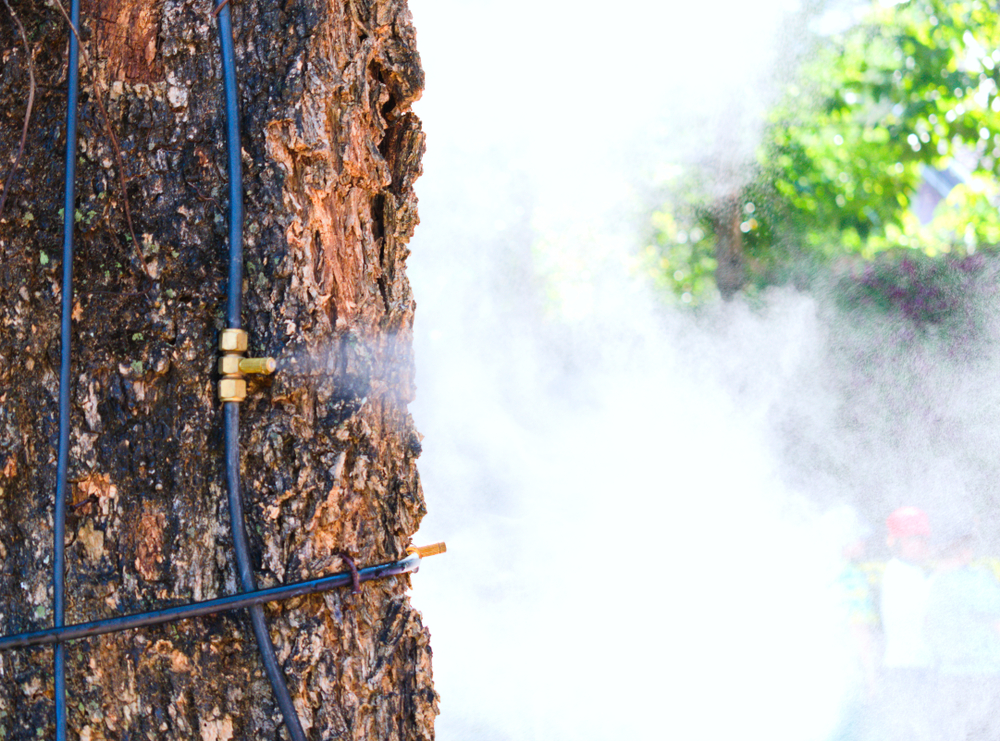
233, 340
229, 365
427, 550
232, 367
264, 366
232, 389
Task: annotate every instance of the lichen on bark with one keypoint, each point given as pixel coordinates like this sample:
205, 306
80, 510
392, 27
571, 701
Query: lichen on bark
331, 149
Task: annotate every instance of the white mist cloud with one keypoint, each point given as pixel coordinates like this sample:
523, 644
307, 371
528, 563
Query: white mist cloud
619, 531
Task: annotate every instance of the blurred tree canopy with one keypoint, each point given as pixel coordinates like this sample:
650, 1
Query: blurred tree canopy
909, 90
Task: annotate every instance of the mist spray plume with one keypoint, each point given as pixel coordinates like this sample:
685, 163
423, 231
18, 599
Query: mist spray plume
631, 496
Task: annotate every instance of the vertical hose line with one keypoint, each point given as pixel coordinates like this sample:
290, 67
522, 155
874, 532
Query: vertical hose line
62, 466
231, 409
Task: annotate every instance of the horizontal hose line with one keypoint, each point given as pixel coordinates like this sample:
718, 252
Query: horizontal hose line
60, 635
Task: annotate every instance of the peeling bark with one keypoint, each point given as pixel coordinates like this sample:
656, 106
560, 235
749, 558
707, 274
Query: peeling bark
331, 151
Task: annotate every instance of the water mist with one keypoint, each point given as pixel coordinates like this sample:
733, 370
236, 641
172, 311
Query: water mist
631, 554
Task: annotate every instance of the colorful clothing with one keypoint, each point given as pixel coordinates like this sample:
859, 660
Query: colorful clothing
855, 591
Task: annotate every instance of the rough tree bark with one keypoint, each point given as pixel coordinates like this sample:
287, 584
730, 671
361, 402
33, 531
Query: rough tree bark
331, 151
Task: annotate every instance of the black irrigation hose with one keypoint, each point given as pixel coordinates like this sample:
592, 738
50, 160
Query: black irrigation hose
410, 564
232, 408
59, 518
247, 581
234, 300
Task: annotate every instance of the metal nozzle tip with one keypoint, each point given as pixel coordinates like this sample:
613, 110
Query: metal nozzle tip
258, 365
427, 550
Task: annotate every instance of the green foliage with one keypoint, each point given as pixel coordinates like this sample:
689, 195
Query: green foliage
911, 86
967, 221
680, 261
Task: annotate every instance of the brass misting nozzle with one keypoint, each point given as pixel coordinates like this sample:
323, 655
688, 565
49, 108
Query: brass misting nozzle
232, 367
427, 550
264, 366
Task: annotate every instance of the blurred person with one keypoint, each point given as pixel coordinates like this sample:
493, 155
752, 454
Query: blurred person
907, 677
963, 631
858, 617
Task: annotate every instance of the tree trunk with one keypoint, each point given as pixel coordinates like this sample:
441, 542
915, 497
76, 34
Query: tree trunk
331, 150
730, 270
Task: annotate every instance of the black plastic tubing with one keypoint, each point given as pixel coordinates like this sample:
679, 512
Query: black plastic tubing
410, 564
62, 465
231, 411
